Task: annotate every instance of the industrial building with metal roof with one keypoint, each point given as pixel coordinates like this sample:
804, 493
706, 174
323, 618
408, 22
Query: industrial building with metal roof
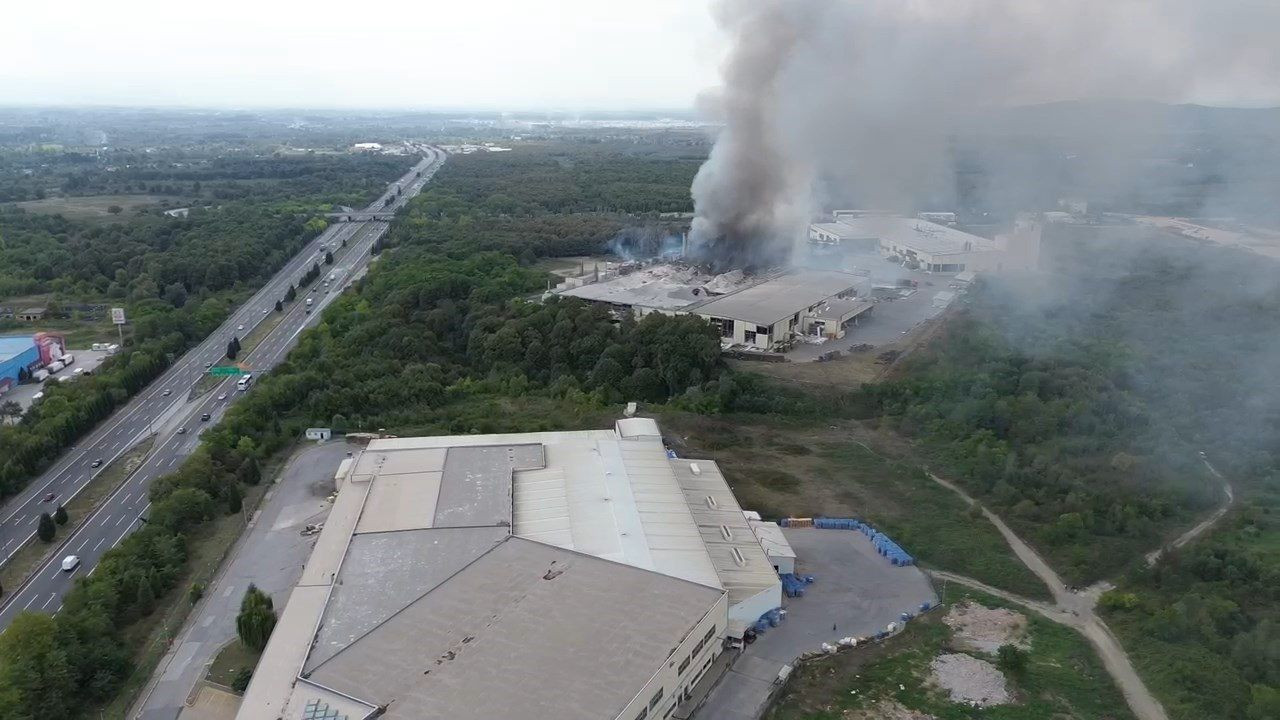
572, 575
933, 246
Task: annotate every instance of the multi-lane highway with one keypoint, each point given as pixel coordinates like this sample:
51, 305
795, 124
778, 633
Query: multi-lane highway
164, 407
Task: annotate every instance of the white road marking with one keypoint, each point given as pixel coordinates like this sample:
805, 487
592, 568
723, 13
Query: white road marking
28, 605
46, 602
99, 544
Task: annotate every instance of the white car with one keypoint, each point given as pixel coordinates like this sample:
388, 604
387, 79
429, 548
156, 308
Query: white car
70, 563
239, 327
222, 397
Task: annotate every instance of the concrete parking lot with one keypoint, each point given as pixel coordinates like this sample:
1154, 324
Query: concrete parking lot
270, 555
86, 360
896, 313
857, 593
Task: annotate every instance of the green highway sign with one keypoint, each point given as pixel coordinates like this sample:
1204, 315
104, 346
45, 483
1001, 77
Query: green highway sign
225, 370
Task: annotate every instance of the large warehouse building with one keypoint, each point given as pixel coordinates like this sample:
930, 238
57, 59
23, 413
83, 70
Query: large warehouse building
803, 302
17, 353
934, 247
569, 575
752, 312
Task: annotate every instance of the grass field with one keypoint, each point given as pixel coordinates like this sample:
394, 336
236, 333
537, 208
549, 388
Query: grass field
230, 661
803, 470
1063, 678
95, 207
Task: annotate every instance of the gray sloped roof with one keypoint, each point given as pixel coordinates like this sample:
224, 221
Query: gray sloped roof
525, 630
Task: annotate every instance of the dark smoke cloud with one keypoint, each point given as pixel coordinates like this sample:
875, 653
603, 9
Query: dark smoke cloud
836, 103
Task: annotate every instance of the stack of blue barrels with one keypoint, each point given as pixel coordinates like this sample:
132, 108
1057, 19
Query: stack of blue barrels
768, 620
793, 585
885, 546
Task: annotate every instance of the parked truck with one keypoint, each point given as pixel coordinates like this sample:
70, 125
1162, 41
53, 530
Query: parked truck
54, 367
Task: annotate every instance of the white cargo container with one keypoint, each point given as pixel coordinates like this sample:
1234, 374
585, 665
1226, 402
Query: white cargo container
54, 367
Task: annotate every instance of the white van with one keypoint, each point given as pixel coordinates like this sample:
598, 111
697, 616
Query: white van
70, 563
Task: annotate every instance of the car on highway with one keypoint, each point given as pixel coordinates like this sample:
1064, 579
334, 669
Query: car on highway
70, 563
239, 327
205, 417
208, 365
168, 392
50, 497
222, 397
96, 463
182, 431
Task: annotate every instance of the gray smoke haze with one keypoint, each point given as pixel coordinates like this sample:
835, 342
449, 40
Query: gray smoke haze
860, 103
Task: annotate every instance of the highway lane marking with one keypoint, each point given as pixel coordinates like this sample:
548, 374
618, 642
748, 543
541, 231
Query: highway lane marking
28, 605
188, 366
125, 499
99, 544
46, 602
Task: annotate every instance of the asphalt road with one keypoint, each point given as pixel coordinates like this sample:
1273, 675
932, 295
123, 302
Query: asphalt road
271, 555
163, 408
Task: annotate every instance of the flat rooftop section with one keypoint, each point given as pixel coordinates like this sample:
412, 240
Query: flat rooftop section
844, 231
780, 297
919, 235
11, 346
526, 625
661, 287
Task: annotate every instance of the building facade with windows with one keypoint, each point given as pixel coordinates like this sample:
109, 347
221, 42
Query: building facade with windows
574, 575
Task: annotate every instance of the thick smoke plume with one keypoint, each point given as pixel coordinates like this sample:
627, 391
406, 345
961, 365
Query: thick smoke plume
827, 102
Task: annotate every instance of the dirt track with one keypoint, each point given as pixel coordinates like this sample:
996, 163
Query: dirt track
1073, 609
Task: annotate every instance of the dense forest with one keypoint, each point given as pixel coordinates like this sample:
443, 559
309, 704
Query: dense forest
1077, 405
178, 278
440, 329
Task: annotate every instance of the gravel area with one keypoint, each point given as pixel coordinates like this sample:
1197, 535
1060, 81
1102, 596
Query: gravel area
969, 680
984, 629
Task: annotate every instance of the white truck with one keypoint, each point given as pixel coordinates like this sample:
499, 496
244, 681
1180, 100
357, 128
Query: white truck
67, 359
309, 301
40, 375
54, 367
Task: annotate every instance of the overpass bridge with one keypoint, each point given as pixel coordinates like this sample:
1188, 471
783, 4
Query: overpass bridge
363, 216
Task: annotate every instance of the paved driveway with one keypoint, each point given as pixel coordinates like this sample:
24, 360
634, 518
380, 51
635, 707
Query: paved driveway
857, 591
270, 555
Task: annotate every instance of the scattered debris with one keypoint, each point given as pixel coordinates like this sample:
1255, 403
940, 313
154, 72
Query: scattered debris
984, 629
886, 710
969, 680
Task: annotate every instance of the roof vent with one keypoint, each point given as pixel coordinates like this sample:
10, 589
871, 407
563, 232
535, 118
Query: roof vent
693, 468
738, 557
711, 502
726, 532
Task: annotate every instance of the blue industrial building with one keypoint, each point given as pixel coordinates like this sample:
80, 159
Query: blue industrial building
16, 352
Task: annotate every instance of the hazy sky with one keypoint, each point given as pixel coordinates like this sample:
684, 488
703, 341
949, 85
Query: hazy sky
491, 54
568, 54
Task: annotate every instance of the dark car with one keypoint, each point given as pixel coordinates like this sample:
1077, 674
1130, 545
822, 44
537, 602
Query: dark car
205, 417
51, 497
96, 463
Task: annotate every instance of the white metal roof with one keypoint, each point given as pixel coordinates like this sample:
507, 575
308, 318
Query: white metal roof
771, 538
919, 235
739, 560
613, 496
